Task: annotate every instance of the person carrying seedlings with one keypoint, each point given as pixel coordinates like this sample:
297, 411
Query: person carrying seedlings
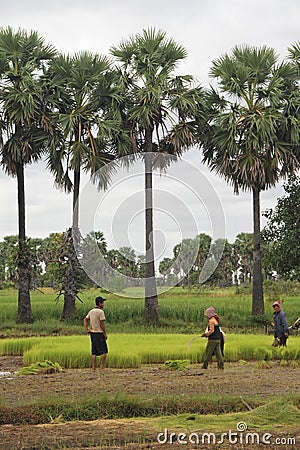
281, 328
214, 338
97, 332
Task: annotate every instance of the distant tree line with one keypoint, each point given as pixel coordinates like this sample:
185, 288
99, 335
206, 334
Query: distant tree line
48, 257
48, 261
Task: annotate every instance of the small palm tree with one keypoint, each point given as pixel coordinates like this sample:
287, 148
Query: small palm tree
250, 140
158, 108
25, 128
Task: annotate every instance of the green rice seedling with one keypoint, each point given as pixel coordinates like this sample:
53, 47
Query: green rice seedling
284, 362
68, 351
239, 347
178, 364
261, 418
57, 419
40, 368
132, 350
122, 361
181, 310
263, 364
290, 353
277, 411
16, 347
262, 354
295, 364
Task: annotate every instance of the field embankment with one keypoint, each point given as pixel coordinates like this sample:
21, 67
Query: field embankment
134, 405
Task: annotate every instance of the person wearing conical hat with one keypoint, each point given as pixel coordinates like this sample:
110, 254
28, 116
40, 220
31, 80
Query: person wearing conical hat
214, 338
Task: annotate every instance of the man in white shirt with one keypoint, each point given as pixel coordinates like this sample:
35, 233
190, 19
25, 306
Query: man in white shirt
97, 332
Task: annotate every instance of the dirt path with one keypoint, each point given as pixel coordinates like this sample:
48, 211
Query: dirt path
237, 379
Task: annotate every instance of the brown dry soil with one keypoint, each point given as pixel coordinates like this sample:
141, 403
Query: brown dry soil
244, 380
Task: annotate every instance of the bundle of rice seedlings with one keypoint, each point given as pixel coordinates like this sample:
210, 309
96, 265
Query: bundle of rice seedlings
263, 364
42, 367
178, 364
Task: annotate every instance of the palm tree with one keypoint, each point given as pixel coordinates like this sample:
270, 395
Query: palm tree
158, 106
249, 140
292, 110
243, 245
165, 267
85, 88
294, 54
88, 251
204, 247
25, 129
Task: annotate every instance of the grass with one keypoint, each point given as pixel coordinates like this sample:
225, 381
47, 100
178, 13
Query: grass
133, 350
181, 311
279, 412
198, 412
132, 343
118, 405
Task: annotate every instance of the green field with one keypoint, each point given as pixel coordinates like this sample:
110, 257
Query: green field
138, 383
181, 311
133, 350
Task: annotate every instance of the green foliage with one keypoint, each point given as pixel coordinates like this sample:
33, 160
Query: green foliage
281, 233
178, 364
176, 349
181, 311
262, 417
42, 367
118, 405
17, 347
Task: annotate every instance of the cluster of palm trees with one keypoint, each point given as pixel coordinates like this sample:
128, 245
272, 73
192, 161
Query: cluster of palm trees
83, 111
191, 257
202, 260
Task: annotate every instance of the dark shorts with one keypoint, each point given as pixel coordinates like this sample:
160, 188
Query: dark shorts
282, 341
99, 346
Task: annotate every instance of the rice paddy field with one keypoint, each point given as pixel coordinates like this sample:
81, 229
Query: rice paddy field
181, 311
153, 386
135, 350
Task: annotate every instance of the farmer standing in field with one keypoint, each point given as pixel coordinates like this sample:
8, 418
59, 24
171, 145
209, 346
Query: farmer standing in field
281, 328
214, 337
97, 332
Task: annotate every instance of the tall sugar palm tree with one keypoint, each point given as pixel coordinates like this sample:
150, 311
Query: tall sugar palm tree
158, 106
86, 91
292, 109
25, 128
251, 139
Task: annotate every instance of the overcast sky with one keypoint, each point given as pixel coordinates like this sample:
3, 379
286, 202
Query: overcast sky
206, 28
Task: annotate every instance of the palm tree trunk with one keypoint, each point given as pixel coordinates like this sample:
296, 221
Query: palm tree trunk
24, 275
257, 290
71, 282
75, 216
151, 299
